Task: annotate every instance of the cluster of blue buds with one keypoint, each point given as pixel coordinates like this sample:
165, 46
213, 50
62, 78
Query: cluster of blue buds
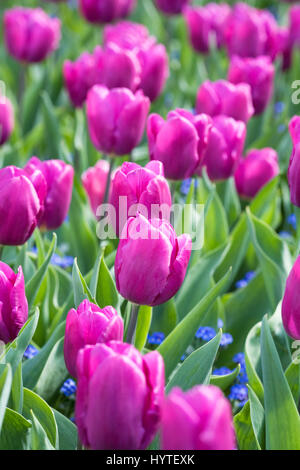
246, 279
206, 333
68, 388
30, 352
156, 338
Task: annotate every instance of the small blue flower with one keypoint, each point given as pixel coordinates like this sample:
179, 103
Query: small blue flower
238, 392
30, 352
239, 358
185, 186
279, 107
220, 323
292, 220
241, 283
242, 378
206, 333
222, 371
156, 338
281, 128
249, 275
68, 388
62, 261
285, 234
226, 339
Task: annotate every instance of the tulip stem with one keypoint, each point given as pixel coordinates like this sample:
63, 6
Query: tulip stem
1, 251
106, 195
21, 90
130, 337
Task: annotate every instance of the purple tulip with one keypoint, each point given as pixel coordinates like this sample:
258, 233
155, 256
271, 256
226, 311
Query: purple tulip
116, 118
13, 303
205, 23
290, 309
119, 396
171, 7
94, 180
21, 204
222, 97
30, 34
259, 74
294, 15
79, 77
285, 45
254, 171
199, 419
89, 325
224, 148
179, 143
105, 11
59, 179
294, 165
6, 119
144, 189
151, 56
151, 261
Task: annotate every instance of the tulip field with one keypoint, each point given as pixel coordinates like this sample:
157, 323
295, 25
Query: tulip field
149, 225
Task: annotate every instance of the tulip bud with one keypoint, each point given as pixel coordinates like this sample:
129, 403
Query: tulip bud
6, 119
179, 143
171, 7
254, 171
294, 165
259, 74
30, 34
290, 309
119, 396
79, 77
59, 179
222, 97
21, 204
116, 118
89, 325
224, 149
13, 302
94, 180
145, 189
151, 261
105, 11
199, 419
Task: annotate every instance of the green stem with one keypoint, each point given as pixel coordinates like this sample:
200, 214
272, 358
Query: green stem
106, 195
21, 90
1, 251
130, 337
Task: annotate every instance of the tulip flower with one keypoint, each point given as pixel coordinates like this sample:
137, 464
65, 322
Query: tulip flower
290, 309
144, 189
6, 119
224, 149
94, 180
151, 261
254, 171
119, 396
89, 325
294, 16
171, 7
179, 142
205, 23
116, 119
79, 77
59, 179
294, 165
105, 11
13, 303
222, 97
21, 204
199, 419
30, 34
259, 74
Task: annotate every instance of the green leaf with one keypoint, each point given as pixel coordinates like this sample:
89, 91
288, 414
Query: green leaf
292, 375
253, 361
51, 127
16, 397
257, 414
225, 381
244, 430
5, 387
81, 290
143, 326
103, 287
196, 369
67, 432
15, 432
39, 439
164, 317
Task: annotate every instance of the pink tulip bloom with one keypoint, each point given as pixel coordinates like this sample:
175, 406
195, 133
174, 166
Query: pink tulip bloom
290, 309
94, 180
105, 11
294, 165
171, 7
6, 119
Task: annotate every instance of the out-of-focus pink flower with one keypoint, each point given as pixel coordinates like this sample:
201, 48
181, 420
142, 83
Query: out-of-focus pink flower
290, 309
6, 119
151, 261
199, 419
119, 396
294, 15
222, 97
254, 171
94, 180
179, 142
294, 165
259, 73
89, 325
30, 34
171, 7
79, 77
105, 11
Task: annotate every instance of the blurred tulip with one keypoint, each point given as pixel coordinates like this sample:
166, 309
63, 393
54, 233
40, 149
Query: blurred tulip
116, 119
294, 165
119, 396
224, 148
290, 309
79, 77
94, 180
151, 261
21, 204
152, 57
179, 143
285, 45
259, 74
89, 325
294, 16
140, 186
59, 179
222, 97
6, 119
13, 303
254, 171
105, 11
30, 34
171, 7
199, 419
